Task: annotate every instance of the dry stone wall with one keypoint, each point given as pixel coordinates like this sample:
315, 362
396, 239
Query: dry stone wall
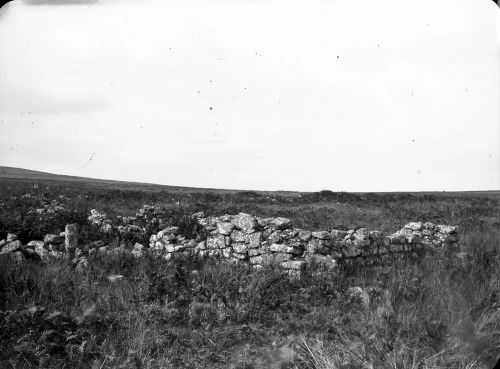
245, 238
258, 241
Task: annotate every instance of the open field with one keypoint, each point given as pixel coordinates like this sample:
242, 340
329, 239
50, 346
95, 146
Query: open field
443, 312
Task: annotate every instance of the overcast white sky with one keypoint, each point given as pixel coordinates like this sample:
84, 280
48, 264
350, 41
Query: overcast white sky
386, 95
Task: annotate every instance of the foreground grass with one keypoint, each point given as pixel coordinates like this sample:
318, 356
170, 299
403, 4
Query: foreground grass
189, 313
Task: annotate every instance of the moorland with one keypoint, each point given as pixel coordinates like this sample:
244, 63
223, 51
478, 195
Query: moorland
442, 312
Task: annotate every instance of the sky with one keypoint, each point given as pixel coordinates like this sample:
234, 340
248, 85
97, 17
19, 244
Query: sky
386, 95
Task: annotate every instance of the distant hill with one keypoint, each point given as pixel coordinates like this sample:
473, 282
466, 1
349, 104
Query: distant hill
27, 175
20, 174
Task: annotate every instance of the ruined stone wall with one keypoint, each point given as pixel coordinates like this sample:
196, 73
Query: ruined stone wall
245, 238
258, 241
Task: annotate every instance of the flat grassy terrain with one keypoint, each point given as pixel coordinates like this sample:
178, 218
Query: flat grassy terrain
443, 312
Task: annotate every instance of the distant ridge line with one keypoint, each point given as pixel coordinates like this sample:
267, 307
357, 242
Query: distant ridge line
14, 173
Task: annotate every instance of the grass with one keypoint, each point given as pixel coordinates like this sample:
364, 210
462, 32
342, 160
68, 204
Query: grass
188, 313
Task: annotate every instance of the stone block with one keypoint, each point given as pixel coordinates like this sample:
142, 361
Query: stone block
275, 237
225, 228
322, 235
245, 222
71, 239
414, 226
240, 248
254, 239
227, 252
240, 256
12, 246
254, 252
212, 242
429, 226
361, 234
237, 236
338, 234
317, 246
305, 236
282, 223
278, 248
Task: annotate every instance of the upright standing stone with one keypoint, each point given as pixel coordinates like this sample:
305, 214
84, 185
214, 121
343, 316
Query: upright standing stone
71, 240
